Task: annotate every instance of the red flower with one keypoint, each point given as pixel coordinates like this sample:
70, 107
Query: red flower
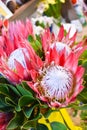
4, 120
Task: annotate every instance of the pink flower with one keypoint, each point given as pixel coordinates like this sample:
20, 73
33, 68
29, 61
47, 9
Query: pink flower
62, 42
13, 43
57, 80
20, 30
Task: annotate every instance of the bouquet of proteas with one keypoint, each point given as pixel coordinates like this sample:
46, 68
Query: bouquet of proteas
39, 75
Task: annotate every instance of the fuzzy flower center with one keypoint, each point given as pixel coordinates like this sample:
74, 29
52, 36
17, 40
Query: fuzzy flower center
60, 46
57, 83
18, 56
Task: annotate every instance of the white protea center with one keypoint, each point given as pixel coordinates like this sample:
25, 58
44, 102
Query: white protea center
60, 46
57, 83
18, 56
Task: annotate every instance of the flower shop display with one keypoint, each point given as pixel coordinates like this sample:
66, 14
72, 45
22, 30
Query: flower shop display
49, 8
61, 12
40, 74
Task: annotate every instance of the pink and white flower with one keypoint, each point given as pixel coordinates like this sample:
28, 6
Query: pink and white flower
57, 79
62, 42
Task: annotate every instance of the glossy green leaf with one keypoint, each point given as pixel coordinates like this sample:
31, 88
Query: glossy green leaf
25, 86
18, 108
16, 121
28, 110
4, 89
58, 126
32, 123
3, 106
41, 127
23, 91
26, 100
14, 89
9, 101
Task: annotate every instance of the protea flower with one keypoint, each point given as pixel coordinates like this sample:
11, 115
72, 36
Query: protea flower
13, 65
12, 53
62, 42
57, 80
4, 120
20, 29
13, 43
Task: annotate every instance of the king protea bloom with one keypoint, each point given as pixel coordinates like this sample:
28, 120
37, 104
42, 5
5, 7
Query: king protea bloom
62, 41
13, 43
57, 80
12, 61
4, 120
13, 66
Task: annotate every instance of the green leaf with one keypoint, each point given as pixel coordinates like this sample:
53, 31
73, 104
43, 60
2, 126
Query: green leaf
3, 106
28, 110
57, 126
14, 89
9, 91
30, 38
49, 111
26, 100
18, 108
9, 101
25, 86
23, 91
32, 123
40, 24
38, 44
41, 127
84, 64
84, 54
82, 97
83, 115
83, 107
16, 121
4, 89
53, 8
3, 80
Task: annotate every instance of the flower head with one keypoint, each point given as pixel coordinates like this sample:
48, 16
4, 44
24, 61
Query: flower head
58, 80
62, 42
13, 43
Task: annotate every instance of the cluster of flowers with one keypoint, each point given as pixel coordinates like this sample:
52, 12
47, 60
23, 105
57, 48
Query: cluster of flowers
54, 76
